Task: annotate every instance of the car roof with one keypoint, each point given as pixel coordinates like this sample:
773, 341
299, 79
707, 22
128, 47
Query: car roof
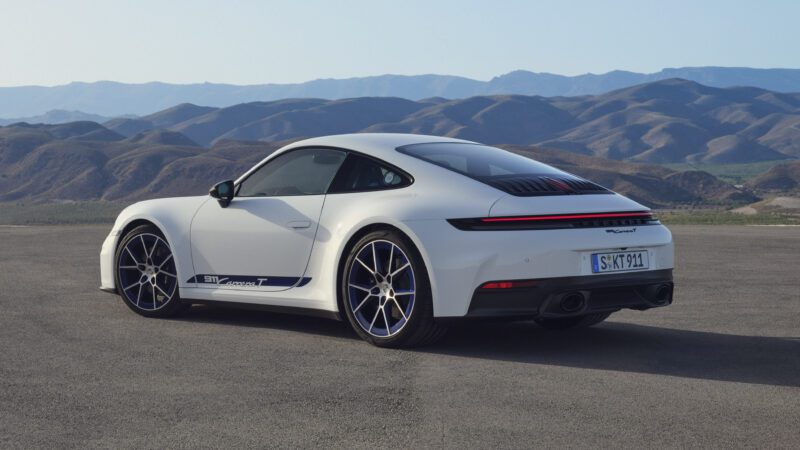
381, 145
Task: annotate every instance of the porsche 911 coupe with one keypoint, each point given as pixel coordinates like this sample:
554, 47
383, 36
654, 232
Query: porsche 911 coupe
399, 235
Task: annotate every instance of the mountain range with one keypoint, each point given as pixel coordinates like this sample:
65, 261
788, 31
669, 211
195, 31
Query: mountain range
113, 99
667, 121
614, 139
86, 161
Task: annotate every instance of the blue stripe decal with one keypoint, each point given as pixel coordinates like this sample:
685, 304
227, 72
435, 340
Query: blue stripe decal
248, 281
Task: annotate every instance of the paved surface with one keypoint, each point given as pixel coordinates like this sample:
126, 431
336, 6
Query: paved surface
719, 368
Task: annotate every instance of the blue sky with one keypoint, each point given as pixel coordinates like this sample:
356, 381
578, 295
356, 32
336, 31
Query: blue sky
246, 42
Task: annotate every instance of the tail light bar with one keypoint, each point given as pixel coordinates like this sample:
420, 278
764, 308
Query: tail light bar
557, 221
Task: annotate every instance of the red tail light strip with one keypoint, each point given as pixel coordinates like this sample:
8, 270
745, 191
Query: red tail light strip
558, 221
569, 217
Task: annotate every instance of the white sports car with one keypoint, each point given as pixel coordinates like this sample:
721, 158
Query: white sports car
395, 233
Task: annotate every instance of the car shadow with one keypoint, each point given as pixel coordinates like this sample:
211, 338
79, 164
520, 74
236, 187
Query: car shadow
615, 346
629, 347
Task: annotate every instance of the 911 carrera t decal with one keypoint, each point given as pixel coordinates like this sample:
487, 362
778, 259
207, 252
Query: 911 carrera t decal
248, 281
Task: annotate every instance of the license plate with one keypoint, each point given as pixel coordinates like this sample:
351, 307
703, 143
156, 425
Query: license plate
619, 261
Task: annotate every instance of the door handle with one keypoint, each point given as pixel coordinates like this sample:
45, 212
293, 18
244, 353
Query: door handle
298, 224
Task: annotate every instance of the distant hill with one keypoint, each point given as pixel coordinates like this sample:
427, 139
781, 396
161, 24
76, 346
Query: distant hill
666, 121
112, 99
57, 116
780, 178
67, 162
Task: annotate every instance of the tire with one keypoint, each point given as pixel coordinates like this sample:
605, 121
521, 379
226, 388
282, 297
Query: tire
567, 323
386, 292
145, 275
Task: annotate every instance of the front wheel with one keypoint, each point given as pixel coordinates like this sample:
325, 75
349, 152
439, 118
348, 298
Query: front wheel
145, 273
387, 294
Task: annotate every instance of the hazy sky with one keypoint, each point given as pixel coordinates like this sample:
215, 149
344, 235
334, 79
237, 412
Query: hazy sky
246, 42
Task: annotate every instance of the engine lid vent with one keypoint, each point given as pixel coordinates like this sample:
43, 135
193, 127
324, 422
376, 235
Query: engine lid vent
541, 185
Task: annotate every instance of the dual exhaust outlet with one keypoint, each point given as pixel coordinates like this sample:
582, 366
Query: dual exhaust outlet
576, 301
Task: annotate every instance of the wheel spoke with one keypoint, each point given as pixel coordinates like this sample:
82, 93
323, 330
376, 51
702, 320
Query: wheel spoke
396, 293
132, 285
165, 260
385, 320
162, 291
362, 303
391, 257
372, 324
153, 248
399, 308
161, 272
374, 258
403, 267
360, 288
139, 294
131, 254
144, 246
365, 266
153, 288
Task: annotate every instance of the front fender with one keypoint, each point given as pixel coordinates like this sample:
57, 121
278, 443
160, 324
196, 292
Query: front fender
173, 216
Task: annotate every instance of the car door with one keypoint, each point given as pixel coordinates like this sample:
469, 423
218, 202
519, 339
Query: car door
263, 239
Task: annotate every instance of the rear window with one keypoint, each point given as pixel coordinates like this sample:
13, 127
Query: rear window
476, 160
506, 171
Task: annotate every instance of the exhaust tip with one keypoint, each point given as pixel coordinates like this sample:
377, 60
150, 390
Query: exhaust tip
572, 302
663, 294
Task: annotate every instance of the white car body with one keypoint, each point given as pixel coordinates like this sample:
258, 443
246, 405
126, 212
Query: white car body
303, 238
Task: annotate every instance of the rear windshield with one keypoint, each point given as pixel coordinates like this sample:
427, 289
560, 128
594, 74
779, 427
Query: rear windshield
477, 161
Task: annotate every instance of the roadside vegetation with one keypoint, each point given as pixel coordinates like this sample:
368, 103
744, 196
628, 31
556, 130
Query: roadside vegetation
722, 217
736, 174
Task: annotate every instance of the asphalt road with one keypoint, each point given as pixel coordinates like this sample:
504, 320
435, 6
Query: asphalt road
719, 368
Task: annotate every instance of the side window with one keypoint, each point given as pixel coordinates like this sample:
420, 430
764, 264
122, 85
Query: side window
298, 172
360, 173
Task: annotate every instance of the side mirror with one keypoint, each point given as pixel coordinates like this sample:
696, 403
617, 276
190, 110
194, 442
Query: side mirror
223, 192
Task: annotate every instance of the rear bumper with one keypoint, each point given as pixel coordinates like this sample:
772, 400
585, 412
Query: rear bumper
577, 295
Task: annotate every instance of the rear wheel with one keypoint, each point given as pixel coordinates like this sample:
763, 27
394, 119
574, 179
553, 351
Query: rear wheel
145, 273
386, 292
566, 323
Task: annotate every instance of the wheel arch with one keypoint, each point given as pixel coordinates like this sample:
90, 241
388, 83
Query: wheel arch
134, 222
404, 232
